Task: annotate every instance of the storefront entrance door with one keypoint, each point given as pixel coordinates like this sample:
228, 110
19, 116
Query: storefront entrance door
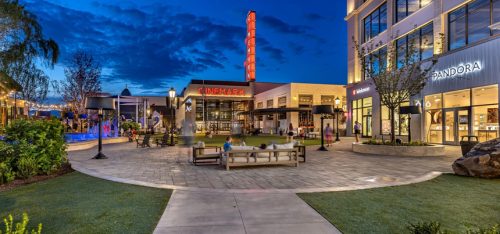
456, 124
367, 126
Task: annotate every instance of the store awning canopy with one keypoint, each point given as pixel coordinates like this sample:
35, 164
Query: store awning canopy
268, 111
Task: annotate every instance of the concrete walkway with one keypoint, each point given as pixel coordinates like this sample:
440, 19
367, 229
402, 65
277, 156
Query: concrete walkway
213, 212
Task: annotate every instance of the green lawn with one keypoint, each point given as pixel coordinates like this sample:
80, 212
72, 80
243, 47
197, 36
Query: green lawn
251, 140
456, 202
77, 203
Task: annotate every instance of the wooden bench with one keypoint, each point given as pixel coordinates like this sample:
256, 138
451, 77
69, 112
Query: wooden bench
238, 158
201, 157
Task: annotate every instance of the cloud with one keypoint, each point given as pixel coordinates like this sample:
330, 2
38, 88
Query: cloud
281, 26
314, 16
148, 46
296, 48
274, 52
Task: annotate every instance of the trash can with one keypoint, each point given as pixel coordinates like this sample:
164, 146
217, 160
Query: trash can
468, 144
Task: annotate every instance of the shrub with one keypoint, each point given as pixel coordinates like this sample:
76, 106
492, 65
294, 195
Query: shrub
426, 228
130, 125
493, 230
6, 173
19, 228
379, 142
38, 146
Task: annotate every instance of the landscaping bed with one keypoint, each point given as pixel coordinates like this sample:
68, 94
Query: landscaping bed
65, 168
77, 203
458, 203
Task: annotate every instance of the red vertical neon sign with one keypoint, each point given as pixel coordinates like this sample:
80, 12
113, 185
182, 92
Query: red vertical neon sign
250, 43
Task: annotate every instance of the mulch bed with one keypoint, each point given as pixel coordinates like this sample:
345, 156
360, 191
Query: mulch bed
65, 169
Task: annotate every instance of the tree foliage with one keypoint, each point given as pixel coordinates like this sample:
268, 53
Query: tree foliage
401, 77
82, 80
34, 82
21, 36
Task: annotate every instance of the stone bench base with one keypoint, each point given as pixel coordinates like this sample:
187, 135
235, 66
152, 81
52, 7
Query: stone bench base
415, 151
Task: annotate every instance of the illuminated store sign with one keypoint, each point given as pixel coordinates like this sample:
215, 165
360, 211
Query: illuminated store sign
360, 90
250, 43
459, 70
222, 91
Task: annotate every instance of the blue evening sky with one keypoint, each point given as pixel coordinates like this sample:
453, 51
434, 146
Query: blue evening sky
153, 45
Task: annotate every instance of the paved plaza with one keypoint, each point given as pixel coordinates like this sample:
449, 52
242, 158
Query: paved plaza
209, 199
336, 169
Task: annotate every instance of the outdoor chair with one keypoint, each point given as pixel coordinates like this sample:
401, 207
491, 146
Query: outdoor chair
144, 142
301, 151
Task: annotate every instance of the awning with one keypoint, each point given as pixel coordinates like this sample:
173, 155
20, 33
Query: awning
268, 111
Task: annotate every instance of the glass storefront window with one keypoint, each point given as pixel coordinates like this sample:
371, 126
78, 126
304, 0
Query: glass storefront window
485, 95
485, 122
400, 125
457, 98
362, 112
434, 101
463, 114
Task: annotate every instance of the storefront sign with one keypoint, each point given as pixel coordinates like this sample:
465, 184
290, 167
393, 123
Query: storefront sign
459, 70
360, 90
222, 91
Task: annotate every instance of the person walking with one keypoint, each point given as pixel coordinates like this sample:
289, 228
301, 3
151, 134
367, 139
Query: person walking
289, 137
357, 130
328, 135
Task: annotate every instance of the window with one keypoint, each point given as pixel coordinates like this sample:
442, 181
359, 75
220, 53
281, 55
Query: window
269, 103
456, 98
470, 23
306, 118
305, 100
362, 112
420, 43
282, 104
401, 123
327, 100
260, 105
376, 62
375, 23
405, 8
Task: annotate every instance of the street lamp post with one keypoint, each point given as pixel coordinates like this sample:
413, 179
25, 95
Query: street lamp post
323, 110
171, 94
337, 110
100, 104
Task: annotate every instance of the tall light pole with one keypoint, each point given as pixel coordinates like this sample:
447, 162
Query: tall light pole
171, 94
337, 110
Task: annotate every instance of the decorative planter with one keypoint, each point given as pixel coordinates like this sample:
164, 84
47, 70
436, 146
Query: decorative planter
390, 150
89, 144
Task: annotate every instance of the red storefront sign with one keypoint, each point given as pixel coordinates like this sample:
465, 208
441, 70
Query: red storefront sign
222, 91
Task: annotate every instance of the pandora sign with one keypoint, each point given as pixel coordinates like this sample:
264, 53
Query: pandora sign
457, 71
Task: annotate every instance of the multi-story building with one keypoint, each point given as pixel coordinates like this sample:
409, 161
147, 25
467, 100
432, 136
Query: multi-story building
461, 96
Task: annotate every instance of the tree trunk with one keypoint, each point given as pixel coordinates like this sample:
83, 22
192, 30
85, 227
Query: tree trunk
393, 124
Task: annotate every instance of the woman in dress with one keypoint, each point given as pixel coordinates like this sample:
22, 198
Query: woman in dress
328, 135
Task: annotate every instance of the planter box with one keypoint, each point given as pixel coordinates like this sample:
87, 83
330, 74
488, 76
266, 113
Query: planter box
89, 144
431, 150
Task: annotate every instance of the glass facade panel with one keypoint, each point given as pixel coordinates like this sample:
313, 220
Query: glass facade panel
457, 98
405, 8
434, 129
456, 28
485, 122
420, 43
362, 112
479, 20
485, 95
496, 15
375, 23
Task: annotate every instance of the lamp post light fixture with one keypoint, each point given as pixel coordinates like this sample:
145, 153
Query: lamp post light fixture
337, 110
171, 94
100, 104
322, 110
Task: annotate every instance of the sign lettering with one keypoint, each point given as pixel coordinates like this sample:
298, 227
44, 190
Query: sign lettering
360, 90
222, 91
459, 70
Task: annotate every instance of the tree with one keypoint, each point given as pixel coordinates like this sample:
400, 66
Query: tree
82, 80
34, 82
21, 36
398, 75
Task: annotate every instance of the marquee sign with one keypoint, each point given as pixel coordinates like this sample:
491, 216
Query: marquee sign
249, 63
222, 91
361, 90
458, 70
